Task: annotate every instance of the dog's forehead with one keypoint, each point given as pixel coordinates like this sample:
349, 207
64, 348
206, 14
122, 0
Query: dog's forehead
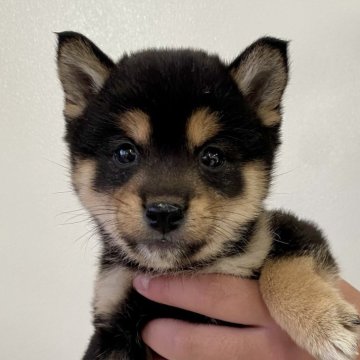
173, 96
202, 125
154, 67
172, 82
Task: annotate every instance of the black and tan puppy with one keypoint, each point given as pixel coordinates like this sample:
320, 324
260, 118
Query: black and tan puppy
172, 153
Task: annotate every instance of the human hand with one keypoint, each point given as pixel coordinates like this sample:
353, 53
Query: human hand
225, 298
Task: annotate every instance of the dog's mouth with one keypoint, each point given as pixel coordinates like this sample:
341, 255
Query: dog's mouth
163, 243
163, 251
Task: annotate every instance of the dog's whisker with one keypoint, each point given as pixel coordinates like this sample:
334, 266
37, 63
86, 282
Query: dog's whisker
56, 163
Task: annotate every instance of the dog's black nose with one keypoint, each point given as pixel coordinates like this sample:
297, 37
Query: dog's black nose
164, 217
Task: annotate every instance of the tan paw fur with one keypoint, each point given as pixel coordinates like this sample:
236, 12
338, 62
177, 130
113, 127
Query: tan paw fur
310, 309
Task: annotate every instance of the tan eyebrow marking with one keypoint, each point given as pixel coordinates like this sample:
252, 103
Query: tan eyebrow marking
202, 125
136, 125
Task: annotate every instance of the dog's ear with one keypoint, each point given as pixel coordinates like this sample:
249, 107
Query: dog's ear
261, 73
83, 69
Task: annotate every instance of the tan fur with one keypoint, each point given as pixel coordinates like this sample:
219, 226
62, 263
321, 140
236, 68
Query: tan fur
256, 252
202, 126
129, 208
269, 117
111, 288
228, 213
136, 125
101, 206
72, 111
78, 56
261, 60
309, 308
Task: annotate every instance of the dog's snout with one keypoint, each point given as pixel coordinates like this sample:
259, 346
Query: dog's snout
164, 217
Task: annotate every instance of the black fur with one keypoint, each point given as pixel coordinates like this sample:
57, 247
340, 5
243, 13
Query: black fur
295, 237
123, 330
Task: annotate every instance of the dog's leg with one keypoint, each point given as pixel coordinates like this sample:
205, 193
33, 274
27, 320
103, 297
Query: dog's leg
305, 302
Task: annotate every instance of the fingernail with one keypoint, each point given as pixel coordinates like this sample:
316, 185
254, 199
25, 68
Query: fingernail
141, 283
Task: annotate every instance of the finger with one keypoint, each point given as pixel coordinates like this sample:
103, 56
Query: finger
178, 340
221, 297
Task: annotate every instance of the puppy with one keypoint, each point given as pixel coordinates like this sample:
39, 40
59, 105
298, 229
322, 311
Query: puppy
172, 153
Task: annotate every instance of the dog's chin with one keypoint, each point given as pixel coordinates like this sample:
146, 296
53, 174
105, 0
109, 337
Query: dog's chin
162, 254
158, 258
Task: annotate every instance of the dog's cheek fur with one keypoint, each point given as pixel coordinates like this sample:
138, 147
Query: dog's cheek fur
99, 205
102, 206
130, 212
228, 215
245, 258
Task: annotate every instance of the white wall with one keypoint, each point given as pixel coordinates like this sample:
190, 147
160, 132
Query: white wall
47, 269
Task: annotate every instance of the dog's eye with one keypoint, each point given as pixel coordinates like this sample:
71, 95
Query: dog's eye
126, 153
212, 157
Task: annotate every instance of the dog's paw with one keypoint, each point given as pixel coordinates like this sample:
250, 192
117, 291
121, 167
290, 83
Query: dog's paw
335, 333
310, 309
